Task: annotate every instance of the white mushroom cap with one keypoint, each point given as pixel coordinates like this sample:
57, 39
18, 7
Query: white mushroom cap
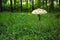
39, 11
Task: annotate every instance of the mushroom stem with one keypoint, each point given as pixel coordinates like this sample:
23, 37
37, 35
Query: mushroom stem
38, 22
39, 17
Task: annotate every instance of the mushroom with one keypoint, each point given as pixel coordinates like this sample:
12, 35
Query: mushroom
39, 12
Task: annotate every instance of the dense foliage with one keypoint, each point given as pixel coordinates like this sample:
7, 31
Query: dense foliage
29, 5
22, 26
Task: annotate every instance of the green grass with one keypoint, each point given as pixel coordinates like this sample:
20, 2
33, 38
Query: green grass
24, 26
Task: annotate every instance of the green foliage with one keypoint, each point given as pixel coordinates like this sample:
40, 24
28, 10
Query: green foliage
23, 26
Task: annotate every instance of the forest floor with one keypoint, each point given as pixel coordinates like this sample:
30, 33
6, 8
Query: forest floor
23, 26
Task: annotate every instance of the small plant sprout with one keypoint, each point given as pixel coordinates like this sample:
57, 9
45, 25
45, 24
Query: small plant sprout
39, 12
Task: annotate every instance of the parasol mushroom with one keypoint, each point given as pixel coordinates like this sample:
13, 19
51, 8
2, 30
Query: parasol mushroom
39, 12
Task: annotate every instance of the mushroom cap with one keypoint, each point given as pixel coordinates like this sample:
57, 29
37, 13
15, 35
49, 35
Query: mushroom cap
39, 11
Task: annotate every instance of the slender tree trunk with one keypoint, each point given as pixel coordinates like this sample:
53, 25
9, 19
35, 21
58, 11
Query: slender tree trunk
46, 3
27, 5
14, 4
39, 3
21, 5
52, 4
59, 3
11, 9
43, 3
0, 5
32, 4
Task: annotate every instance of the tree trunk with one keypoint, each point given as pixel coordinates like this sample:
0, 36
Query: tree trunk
43, 3
21, 5
59, 3
46, 3
52, 4
14, 4
11, 9
26, 5
32, 4
0, 5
